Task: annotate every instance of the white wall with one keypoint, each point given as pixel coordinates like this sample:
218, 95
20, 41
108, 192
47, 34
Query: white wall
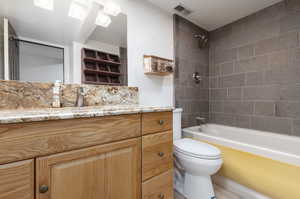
150, 32
1, 48
6, 49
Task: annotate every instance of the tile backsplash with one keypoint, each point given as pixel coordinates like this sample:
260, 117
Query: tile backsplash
255, 72
31, 95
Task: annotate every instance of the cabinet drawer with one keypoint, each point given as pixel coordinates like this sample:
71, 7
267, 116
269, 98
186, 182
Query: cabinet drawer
157, 155
159, 187
156, 122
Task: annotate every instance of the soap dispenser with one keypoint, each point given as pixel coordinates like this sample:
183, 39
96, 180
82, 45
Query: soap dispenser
56, 94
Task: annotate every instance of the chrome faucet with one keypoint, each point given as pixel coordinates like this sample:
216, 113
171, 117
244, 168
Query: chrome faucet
200, 122
80, 97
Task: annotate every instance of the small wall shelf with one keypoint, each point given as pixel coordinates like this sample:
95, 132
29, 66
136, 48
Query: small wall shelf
154, 65
100, 68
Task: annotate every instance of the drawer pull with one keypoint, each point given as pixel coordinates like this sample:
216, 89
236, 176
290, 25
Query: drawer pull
161, 154
161, 196
161, 122
43, 189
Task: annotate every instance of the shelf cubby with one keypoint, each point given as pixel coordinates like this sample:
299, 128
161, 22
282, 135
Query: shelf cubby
100, 68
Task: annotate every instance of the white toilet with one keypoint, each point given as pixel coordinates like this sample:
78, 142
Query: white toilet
195, 162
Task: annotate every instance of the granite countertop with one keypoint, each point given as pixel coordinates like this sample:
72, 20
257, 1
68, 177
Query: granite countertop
34, 115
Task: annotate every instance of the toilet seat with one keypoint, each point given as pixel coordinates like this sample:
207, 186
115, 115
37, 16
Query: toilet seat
197, 149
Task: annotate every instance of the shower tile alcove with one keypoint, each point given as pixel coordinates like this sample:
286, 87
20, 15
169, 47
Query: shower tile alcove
190, 58
255, 72
250, 72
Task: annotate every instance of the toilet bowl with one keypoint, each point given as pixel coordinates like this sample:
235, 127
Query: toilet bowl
195, 162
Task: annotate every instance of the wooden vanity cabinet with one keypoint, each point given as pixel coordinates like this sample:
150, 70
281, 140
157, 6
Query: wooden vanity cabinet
111, 157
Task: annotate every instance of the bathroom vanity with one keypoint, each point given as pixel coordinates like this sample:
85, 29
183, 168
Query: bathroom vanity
122, 154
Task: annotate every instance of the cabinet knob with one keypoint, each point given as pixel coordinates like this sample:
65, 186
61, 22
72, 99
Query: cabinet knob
161, 196
161, 154
161, 122
43, 188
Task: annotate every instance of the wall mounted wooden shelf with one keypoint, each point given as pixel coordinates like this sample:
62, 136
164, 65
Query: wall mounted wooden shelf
154, 65
100, 68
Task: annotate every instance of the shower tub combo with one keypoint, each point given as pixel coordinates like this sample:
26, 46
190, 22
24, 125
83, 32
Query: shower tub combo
266, 162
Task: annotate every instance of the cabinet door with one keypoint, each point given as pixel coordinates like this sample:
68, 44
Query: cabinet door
16, 180
111, 171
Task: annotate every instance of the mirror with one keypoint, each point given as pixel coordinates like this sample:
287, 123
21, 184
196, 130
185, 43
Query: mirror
73, 41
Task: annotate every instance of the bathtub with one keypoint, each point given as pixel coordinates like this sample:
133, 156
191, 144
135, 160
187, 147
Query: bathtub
266, 162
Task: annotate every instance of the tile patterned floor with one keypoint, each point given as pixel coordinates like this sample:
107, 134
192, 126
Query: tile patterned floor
221, 193
178, 196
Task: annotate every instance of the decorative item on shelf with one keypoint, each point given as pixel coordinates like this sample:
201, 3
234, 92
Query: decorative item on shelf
154, 65
100, 68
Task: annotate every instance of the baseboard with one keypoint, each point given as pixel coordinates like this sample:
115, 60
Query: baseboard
238, 189
177, 195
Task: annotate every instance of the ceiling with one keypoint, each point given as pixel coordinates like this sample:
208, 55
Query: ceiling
55, 26
33, 22
212, 14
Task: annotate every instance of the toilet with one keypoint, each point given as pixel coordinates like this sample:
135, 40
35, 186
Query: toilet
195, 162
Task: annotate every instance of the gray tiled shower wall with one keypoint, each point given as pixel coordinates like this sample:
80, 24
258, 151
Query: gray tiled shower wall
192, 97
254, 69
254, 72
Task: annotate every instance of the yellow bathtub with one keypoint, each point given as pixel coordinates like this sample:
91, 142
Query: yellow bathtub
265, 162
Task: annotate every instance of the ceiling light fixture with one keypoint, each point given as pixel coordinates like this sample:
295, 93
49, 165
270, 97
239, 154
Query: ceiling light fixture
103, 20
83, 2
45, 4
78, 10
112, 8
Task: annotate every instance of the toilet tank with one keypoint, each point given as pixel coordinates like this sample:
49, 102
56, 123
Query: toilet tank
177, 123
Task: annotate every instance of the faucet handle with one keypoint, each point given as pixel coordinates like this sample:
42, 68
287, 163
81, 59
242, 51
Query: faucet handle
200, 120
80, 97
80, 90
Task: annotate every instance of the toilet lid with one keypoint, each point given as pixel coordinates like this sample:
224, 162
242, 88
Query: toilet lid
197, 149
